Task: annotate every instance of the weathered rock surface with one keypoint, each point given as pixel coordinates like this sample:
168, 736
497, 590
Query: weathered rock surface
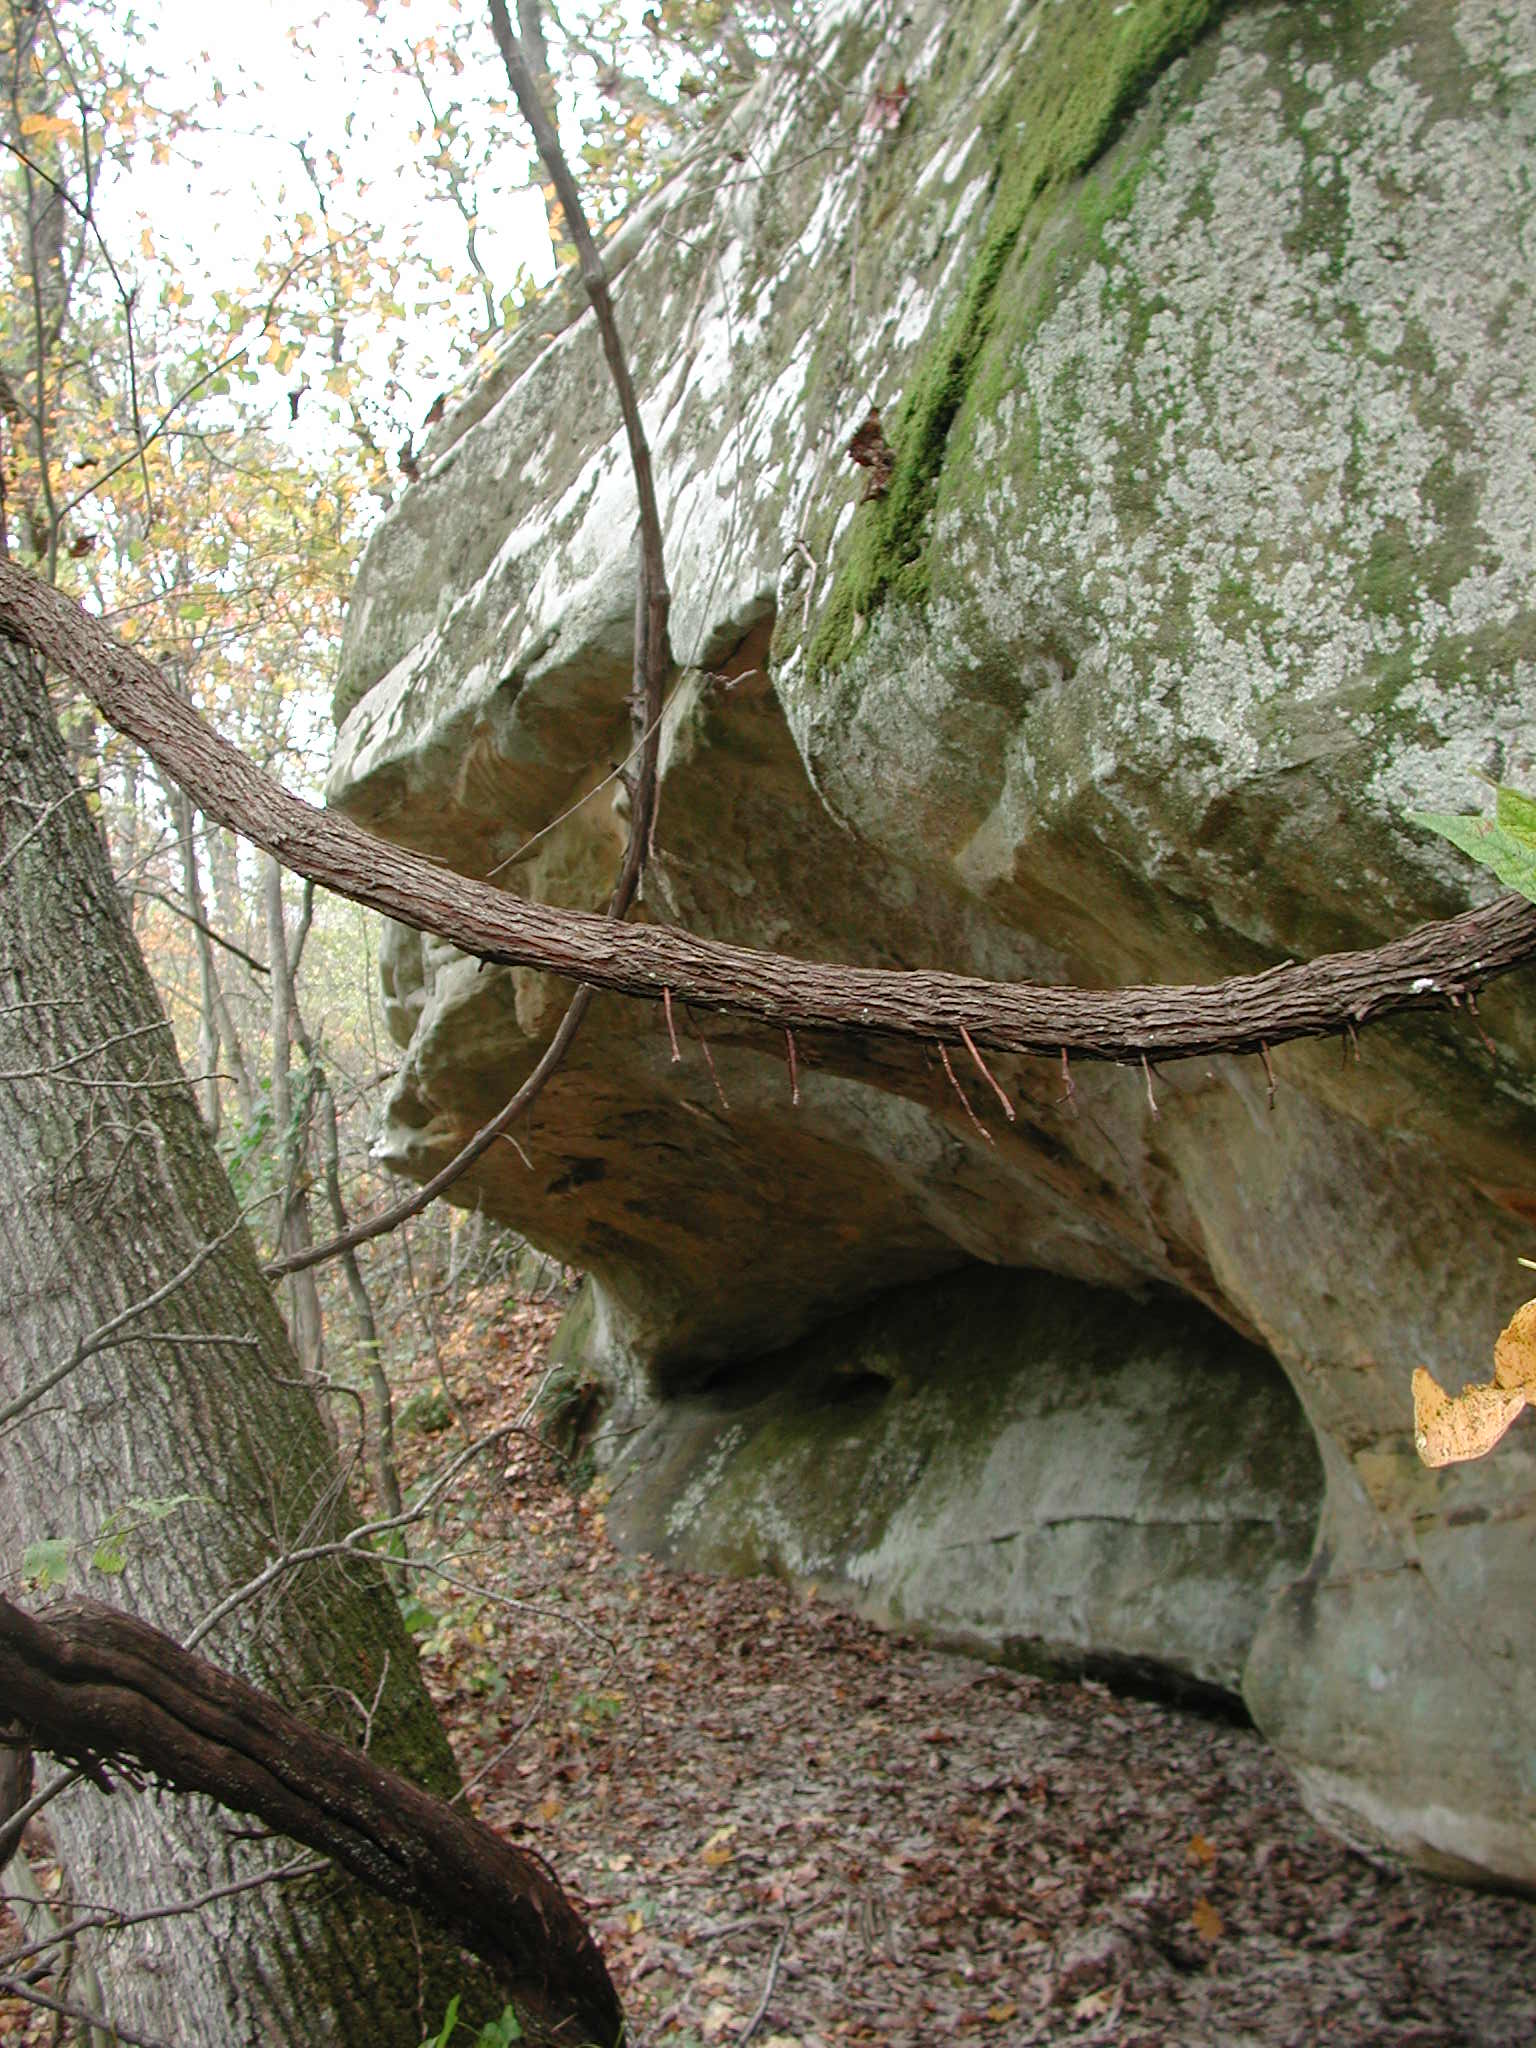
1206, 341
1035, 1468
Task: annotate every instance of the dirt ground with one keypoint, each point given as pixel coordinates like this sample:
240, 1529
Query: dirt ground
790, 1829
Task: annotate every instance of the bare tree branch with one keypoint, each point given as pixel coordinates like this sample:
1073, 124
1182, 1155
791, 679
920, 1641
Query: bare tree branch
413, 1204
1431, 968
199, 924
653, 648
100, 1338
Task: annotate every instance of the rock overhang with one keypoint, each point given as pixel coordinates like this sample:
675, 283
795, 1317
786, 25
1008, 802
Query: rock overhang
1219, 557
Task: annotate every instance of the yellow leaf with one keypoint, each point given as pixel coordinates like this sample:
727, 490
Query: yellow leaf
549, 1807
147, 242
717, 1850
1206, 1920
1514, 1355
1005, 2009
1453, 1429
1200, 1850
40, 126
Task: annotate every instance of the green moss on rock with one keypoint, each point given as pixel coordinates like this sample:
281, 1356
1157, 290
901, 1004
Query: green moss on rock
1093, 64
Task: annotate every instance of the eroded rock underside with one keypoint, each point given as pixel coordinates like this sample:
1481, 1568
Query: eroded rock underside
1205, 340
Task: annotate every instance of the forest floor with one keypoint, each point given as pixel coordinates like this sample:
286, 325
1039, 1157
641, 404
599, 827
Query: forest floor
787, 1827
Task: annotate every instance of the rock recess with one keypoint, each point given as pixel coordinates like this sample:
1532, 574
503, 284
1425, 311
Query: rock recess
1205, 340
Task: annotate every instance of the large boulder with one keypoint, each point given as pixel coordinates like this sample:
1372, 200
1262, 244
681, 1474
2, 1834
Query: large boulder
1205, 340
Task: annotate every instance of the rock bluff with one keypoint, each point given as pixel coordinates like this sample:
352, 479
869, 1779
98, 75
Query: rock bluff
1205, 340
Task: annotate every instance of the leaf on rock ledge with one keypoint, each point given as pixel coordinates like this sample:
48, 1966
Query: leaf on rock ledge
1514, 1355
1453, 1429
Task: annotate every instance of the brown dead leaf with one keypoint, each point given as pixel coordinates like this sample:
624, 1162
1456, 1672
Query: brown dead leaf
1207, 1922
1200, 1850
870, 450
1452, 1429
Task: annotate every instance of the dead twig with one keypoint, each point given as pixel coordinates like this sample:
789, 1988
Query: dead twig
965, 1102
761, 2012
709, 1061
988, 1076
666, 1004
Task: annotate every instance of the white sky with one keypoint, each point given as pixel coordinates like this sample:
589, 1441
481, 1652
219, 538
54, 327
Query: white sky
227, 184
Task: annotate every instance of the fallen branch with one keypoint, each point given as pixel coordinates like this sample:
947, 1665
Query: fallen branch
1430, 968
90, 1683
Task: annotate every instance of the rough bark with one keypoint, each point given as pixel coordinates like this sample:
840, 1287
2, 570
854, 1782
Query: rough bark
103, 1687
208, 1035
370, 1350
112, 1192
294, 1233
1427, 969
15, 1780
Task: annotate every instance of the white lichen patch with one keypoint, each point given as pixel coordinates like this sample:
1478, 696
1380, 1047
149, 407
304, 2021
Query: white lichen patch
1288, 391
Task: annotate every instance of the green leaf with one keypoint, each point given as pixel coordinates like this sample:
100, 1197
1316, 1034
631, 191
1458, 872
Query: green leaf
1516, 813
416, 1614
1509, 853
450, 2021
110, 1557
500, 2033
156, 1507
47, 1562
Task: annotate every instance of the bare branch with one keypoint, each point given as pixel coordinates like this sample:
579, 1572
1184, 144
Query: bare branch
18, 1988
653, 648
1329, 996
199, 925
106, 1333
356, 1543
109, 1917
413, 1204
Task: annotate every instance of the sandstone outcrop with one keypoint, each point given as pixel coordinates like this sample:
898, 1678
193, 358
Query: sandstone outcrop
1205, 340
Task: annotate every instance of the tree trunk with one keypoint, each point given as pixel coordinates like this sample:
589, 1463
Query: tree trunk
294, 1233
370, 1349
209, 1034
112, 1191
